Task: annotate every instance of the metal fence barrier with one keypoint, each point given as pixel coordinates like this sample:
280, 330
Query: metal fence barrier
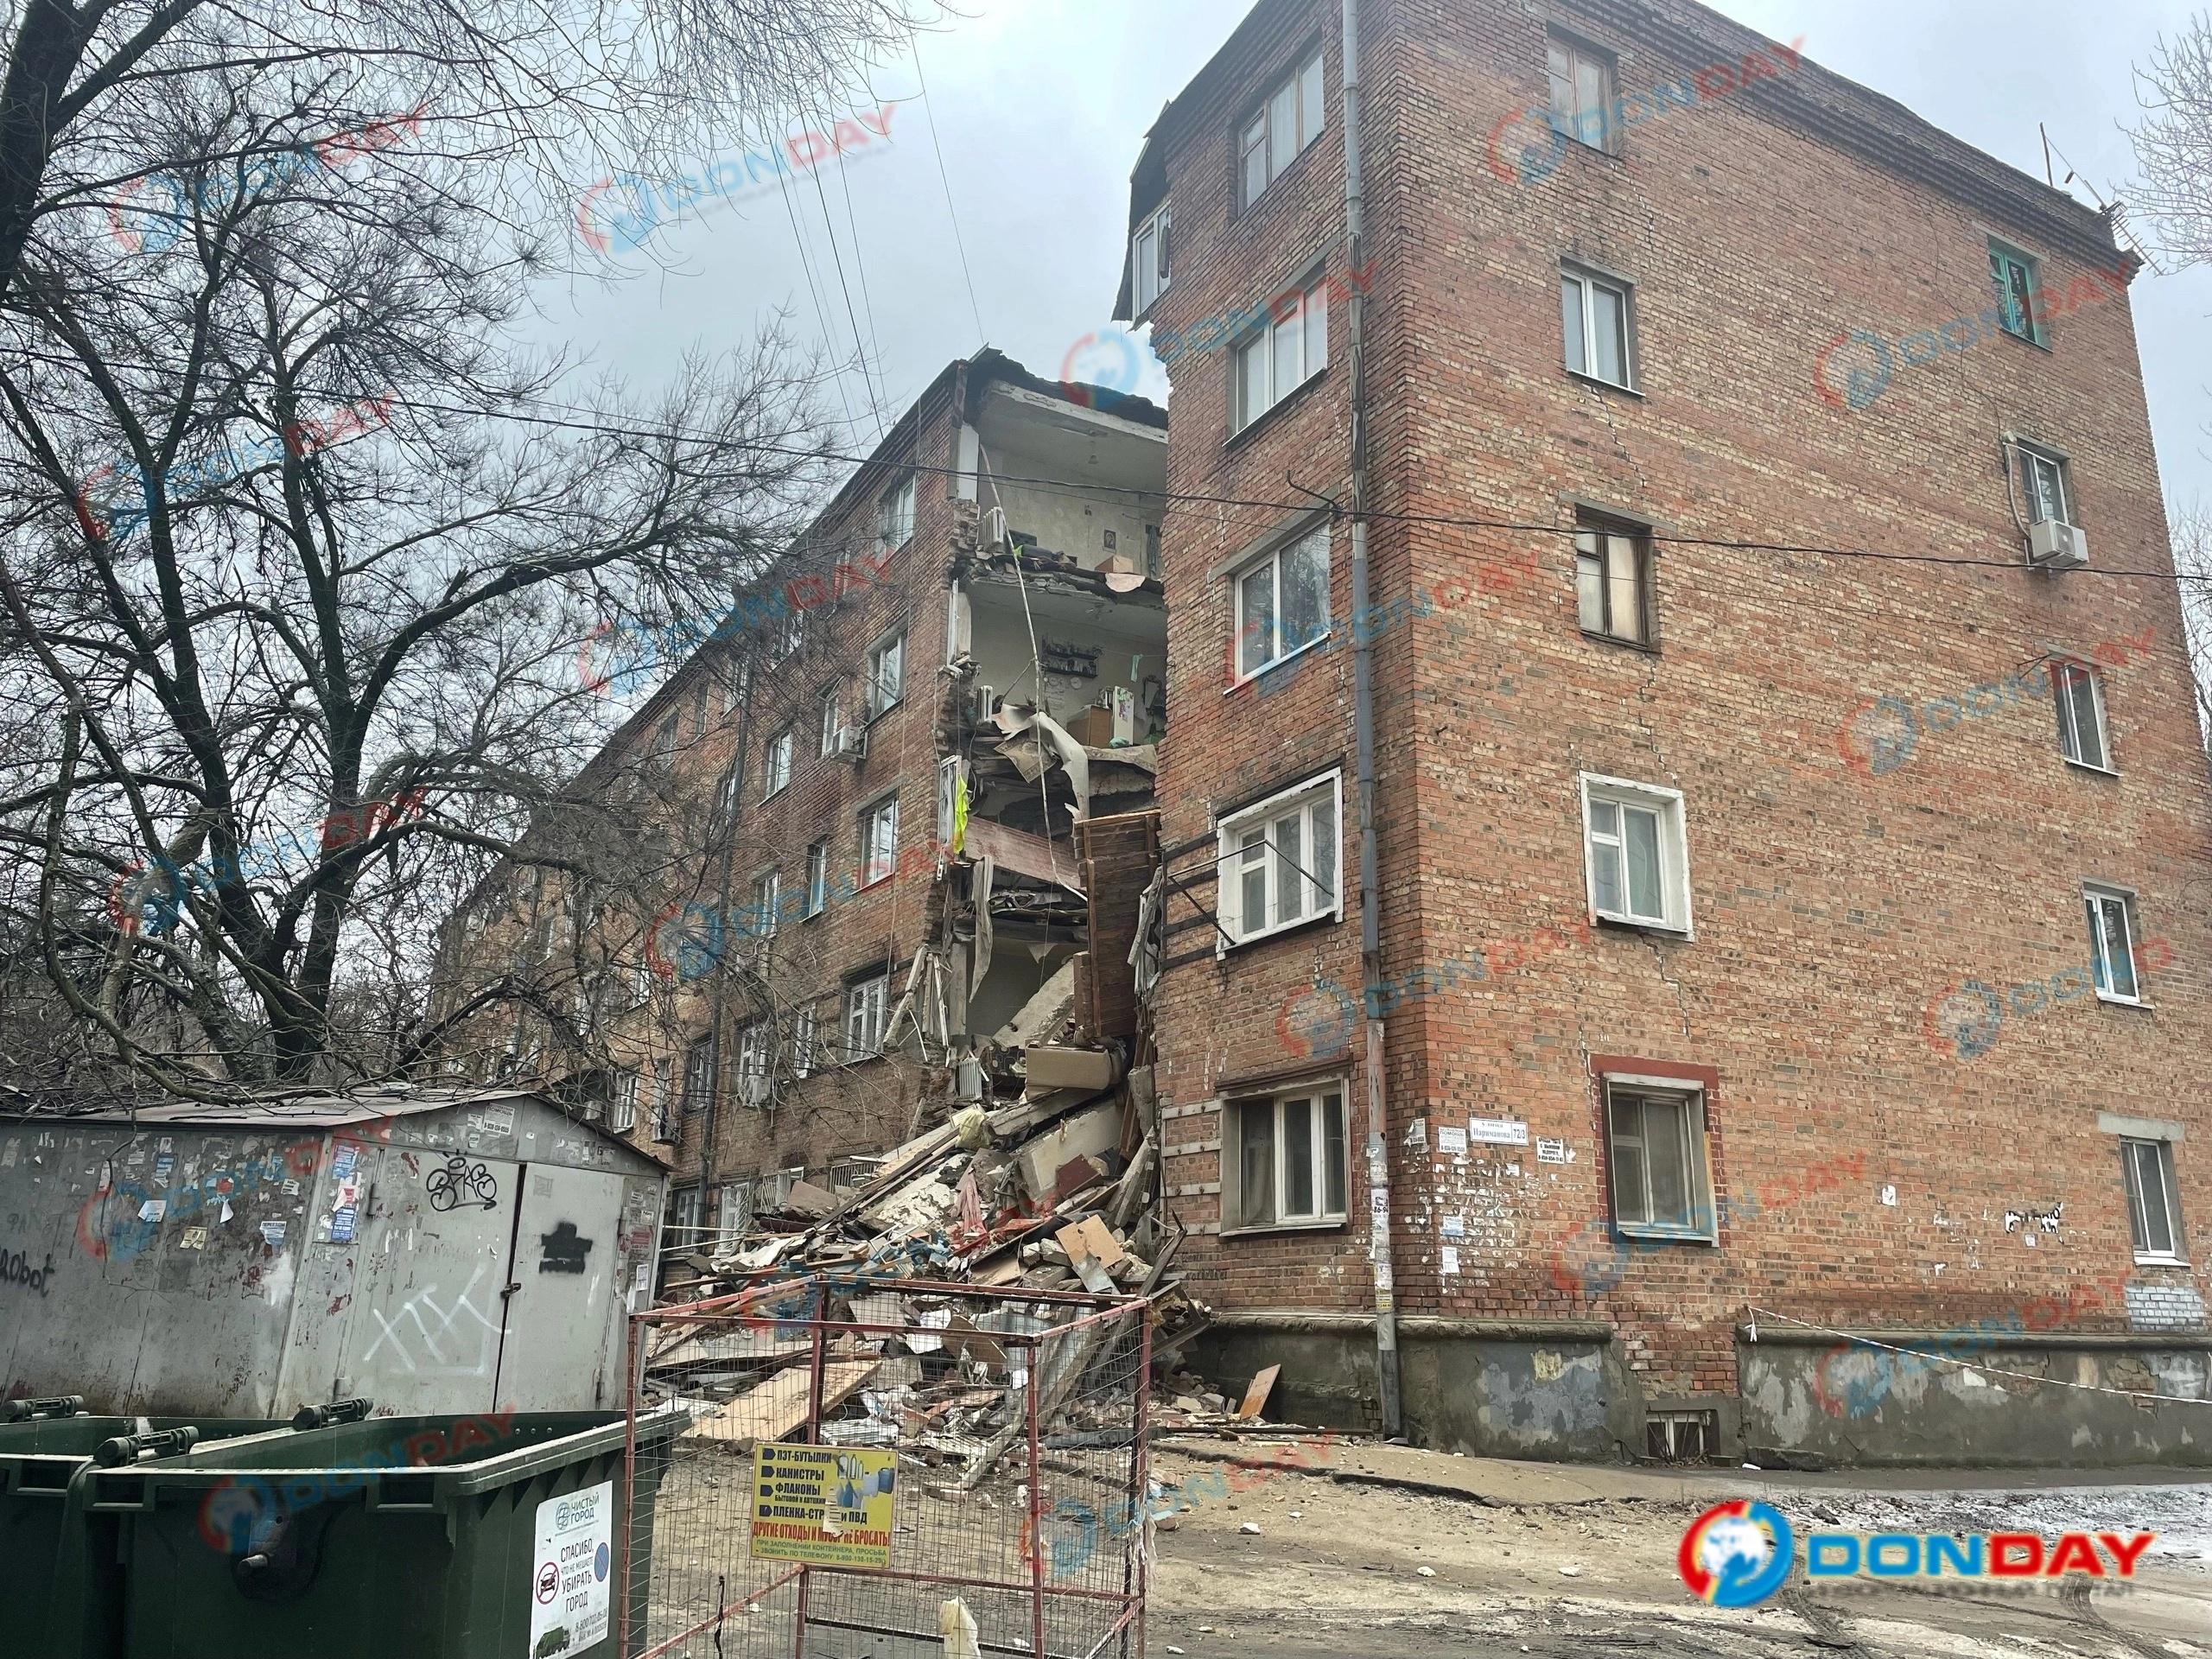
891, 1468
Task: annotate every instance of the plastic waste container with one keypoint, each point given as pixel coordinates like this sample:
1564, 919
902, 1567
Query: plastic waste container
490, 1537
40, 1456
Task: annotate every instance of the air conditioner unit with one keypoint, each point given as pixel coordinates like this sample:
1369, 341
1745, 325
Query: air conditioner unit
852, 743
987, 701
990, 530
753, 1090
2054, 544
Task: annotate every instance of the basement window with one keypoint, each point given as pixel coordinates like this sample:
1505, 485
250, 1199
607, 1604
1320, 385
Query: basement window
1656, 1143
2153, 1207
1278, 861
1286, 1160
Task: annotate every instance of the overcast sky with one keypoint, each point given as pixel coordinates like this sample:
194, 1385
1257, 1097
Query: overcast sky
1039, 107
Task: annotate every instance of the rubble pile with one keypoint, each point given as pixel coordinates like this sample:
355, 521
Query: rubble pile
1047, 1181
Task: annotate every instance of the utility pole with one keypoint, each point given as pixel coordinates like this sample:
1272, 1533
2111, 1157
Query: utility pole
1370, 899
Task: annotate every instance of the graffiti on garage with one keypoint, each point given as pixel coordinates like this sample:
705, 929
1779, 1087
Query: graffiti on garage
565, 1249
456, 1182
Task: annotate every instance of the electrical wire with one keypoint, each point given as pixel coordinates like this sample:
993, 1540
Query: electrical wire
952, 213
1084, 488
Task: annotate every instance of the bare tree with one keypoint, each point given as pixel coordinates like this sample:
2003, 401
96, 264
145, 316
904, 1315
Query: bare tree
2172, 202
529, 90
300, 548
2191, 529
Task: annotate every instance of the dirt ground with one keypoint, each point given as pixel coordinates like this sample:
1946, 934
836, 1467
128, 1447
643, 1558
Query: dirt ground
1341, 1572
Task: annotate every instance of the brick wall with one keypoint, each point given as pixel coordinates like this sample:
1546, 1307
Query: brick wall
1834, 907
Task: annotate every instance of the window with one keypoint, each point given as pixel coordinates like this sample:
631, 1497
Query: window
1282, 603
1148, 256
778, 771
1289, 1164
1656, 1141
2080, 698
666, 1125
753, 1065
1291, 118
1612, 580
864, 1008
887, 675
726, 794
894, 517
773, 1190
850, 1175
1152, 551
1636, 853
2016, 276
1279, 860
733, 1213
804, 1043
832, 718
1597, 316
2112, 942
1281, 354
698, 1075
2043, 474
879, 841
817, 878
1582, 91
665, 744
622, 1117
686, 1204
767, 903
2153, 1207
729, 679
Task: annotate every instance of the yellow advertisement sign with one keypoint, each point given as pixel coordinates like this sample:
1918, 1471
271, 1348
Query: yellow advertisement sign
824, 1505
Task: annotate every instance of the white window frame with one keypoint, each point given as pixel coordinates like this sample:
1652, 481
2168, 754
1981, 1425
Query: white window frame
668, 1117
1307, 85
887, 675
817, 878
895, 517
833, 720
2066, 673
1273, 563
879, 859
2099, 901
805, 1041
1151, 249
1573, 120
866, 1003
1237, 1195
767, 903
1695, 1149
1319, 799
2037, 465
752, 1055
622, 1111
777, 764
2169, 1195
733, 1214
1674, 850
1309, 318
1586, 279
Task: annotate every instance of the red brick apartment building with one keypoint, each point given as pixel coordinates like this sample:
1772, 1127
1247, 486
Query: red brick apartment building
1771, 943
835, 852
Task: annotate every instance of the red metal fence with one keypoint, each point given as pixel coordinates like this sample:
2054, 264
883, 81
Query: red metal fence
875, 1463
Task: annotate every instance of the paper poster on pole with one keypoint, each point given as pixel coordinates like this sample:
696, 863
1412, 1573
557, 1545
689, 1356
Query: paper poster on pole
825, 1505
571, 1581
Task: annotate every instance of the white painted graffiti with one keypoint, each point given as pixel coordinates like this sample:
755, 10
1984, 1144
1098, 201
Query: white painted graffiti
440, 1326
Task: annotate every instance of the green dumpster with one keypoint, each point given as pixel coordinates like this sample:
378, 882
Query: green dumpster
38, 1460
493, 1537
